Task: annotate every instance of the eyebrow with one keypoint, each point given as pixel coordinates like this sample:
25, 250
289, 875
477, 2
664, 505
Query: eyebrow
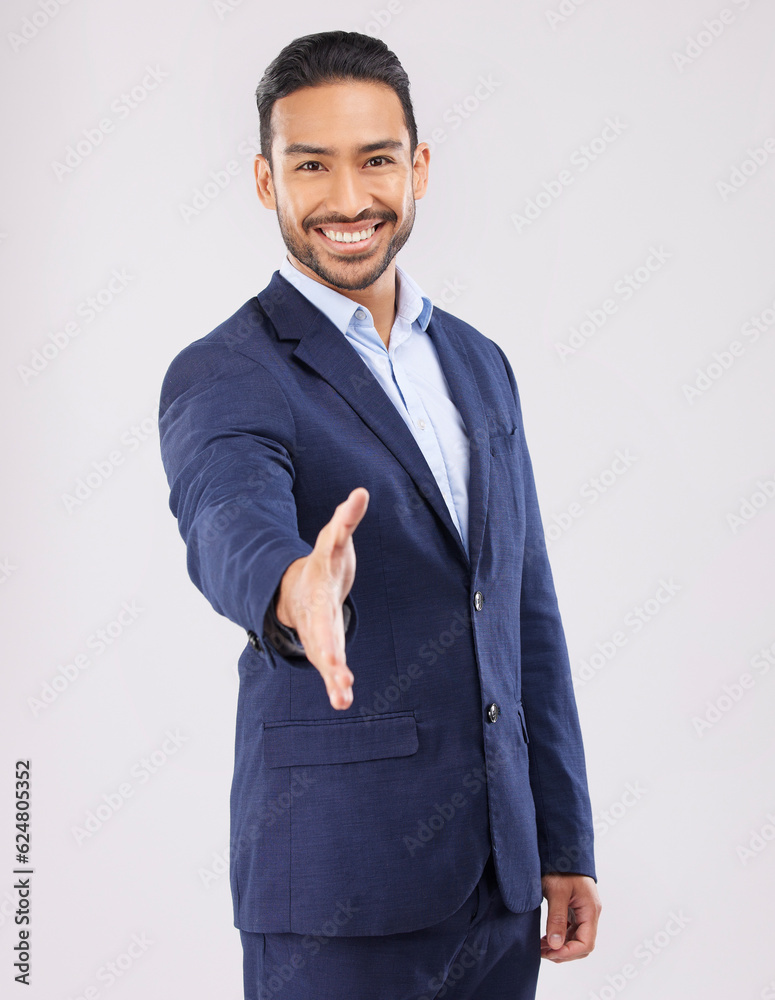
302, 147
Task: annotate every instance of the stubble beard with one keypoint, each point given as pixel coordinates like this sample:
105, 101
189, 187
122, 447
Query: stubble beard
366, 271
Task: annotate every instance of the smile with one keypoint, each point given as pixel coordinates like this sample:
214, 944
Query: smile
358, 240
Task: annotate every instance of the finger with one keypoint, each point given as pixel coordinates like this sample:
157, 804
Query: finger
567, 953
326, 653
339, 687
579, 942
557, 919
347, 517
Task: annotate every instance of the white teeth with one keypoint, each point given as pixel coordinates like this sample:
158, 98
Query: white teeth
349, 237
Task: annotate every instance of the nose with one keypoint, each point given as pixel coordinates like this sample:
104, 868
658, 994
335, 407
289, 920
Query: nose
347, 195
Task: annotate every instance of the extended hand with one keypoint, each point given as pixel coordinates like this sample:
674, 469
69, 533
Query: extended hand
312, 592
571, 923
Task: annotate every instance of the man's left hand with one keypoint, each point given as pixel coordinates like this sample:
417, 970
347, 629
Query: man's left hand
571, 924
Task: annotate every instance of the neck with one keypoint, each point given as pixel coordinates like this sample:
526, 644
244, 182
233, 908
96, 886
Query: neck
379, 298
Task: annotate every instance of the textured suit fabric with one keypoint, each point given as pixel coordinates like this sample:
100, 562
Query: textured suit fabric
411, 375
388, 808
483, 951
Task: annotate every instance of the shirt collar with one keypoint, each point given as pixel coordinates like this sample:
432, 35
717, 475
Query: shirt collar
412, 303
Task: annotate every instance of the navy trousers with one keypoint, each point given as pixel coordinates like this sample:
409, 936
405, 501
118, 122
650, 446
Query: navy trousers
481, 952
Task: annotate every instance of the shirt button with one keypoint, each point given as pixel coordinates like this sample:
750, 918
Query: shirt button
492, 712
478, 600
421, 424
360, 314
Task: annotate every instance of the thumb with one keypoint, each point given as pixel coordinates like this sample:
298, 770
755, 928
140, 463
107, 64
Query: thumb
348, 515
557, 918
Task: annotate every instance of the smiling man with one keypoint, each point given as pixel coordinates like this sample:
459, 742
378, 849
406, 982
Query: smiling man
349, 471
347, 252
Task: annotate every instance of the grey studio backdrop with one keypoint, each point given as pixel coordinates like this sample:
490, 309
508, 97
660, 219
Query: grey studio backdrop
602, 186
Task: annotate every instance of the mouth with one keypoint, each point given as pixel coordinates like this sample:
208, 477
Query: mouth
349, 240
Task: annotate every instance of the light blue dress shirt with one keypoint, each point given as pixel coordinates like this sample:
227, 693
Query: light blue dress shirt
410, 373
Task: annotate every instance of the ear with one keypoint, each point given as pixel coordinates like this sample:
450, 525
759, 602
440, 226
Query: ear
422, 156
264, 185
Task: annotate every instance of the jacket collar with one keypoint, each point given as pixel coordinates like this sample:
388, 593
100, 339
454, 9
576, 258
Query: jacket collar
411, 303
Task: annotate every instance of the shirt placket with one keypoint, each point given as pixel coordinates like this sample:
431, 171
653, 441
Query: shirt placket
421, 425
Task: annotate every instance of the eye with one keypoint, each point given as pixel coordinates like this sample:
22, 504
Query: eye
385, 158
309, 163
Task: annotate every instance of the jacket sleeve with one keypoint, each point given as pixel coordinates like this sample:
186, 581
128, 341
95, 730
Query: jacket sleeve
558, 775
228, 443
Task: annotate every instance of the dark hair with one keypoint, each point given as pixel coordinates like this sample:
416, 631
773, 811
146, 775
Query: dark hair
330, 57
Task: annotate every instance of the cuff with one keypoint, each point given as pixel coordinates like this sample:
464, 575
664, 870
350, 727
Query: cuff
286, 639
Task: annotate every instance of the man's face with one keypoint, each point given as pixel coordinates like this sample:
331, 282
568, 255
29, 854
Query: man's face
341, 162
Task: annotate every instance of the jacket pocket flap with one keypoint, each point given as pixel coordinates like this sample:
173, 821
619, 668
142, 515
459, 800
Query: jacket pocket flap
331, 741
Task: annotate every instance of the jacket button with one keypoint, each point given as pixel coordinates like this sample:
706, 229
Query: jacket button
254, 641
478, 600
492, 712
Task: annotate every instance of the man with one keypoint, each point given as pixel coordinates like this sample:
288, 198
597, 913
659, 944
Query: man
409, 771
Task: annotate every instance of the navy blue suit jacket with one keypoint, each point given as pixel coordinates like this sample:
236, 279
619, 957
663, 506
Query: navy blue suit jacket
377, 819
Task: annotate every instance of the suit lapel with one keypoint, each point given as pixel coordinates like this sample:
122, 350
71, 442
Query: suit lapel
456, 365
322, 347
